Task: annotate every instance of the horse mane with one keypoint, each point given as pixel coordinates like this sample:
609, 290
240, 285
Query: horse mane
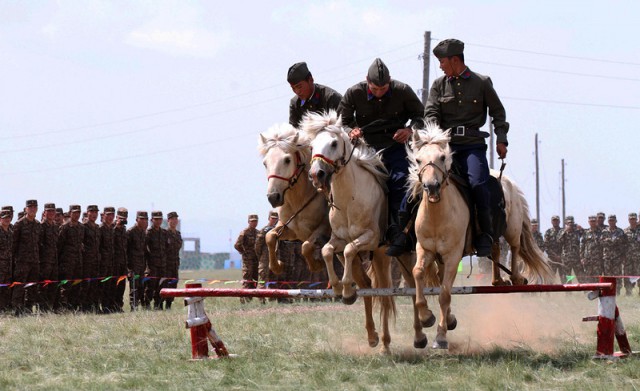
285, 137
431, 134
364, 155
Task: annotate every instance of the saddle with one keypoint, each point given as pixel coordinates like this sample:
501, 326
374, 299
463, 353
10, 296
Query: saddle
497, 206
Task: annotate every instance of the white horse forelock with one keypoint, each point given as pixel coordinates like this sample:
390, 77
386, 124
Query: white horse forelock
282, 136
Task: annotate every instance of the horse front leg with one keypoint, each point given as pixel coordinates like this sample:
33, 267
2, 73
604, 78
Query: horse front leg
328, 250
407, 262
447, 320
423, 260
351, 250
308, 251
271, 239
362, 279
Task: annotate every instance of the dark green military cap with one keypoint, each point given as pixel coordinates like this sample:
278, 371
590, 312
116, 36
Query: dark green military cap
600, 214
50, 206
59, 210
378, 73
592, 218
74, 208
171, 215
274, 213
534, 221
156, 214
92, 208
613, 217
8, 207
568, 219
633, 216
555, 217
253, 217
32, 202
448, 47
4, 214
298, 72
21, 214
123, 213
109, 210
142, 215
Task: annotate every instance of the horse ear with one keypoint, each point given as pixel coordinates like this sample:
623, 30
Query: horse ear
263, 139
295, 139
415, 138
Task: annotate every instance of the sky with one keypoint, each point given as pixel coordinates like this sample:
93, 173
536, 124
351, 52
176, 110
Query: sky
157, 105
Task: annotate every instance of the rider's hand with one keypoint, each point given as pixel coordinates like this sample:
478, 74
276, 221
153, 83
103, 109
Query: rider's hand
355, 133
402, 135
501, 148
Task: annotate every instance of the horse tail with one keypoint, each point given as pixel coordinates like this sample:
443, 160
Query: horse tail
380, 275
432, 278
537, 265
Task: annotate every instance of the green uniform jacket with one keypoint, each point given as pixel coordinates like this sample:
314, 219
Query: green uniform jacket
322, 99
463, 101
359, 108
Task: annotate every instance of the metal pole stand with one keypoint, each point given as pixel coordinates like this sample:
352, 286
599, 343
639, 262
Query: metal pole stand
201, 329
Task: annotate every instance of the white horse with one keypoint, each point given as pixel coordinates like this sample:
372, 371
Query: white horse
353, 179
303, 214
443, 228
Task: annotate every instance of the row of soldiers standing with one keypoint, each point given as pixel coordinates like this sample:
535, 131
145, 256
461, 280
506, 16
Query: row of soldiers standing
63, 264
598, 250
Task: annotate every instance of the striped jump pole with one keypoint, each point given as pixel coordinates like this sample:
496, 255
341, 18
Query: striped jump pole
202, 331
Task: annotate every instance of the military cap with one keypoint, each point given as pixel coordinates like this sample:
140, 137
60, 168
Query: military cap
92, 208
109, 210
50, 206
600, 214
21, 214
378, 73
5, 213
592, 218
59, 210
123, 212
555, 217
613, 217
274, 213
448, 47
633, 215
156, 214
171, 215
142, 215
569, 219
534, 221
32, 202
74, 208
65, 214
8, 207
253, 217
298, 72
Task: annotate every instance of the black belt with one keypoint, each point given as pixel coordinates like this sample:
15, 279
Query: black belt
463, 131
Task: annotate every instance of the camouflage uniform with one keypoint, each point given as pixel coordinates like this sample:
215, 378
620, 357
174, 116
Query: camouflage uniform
262, 253
6, 267
70, 242
632, 258
174, 244
156, 243
91, 267
591, 253
570, 244
26, 263
246, 246
614, 251
49, 264
106, 297
537, 235
119, 261
136, 264
554, 249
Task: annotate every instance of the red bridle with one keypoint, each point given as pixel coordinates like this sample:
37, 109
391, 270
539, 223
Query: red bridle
296, 174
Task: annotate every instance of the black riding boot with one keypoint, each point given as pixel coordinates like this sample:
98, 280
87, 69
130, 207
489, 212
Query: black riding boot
484, 240
400, 242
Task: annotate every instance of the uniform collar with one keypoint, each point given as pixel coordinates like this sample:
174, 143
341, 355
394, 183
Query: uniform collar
370, 95
314, 98
463, 75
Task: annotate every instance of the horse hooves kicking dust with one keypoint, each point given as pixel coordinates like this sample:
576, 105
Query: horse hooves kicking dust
421, 344
440, 345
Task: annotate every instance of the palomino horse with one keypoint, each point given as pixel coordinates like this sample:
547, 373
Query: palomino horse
304, 215
443, 230
353, 179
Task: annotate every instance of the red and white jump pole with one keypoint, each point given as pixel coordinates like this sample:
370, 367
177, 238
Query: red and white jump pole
202, 331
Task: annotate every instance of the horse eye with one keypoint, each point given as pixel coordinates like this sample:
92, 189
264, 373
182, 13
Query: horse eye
334, 143
442, 158
418, 161
287, 160
264, 164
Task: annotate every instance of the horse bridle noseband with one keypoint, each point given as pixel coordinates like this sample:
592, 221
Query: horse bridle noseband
337, 164
296, 174
431, 163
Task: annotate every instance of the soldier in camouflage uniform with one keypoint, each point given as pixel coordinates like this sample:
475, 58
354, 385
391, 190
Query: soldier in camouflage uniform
119, 259
310, 97
106, 296
70, 242
6, 260
569, 240
591, 251
537, 236
553, 247
156, 245
632, 259
26, 260
59, 219
91, 261
614, 250
49, 258
174, 244
246, 246
264, 274
136, 262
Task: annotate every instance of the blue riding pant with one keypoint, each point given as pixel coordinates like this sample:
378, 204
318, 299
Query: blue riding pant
395, 161
472, 160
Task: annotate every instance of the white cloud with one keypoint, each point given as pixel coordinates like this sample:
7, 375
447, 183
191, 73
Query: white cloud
178, 41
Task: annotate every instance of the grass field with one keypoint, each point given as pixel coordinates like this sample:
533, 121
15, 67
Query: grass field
517, 341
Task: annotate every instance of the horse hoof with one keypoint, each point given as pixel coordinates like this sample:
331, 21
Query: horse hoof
441, 345
350, 300
429, 322
374, 342
421, 344
452, 325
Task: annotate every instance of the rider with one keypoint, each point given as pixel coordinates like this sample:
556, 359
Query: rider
459, 101
310, 96
378, 109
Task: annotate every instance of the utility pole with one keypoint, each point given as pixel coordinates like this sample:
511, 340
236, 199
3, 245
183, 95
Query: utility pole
425, 66
537, 183
563, 201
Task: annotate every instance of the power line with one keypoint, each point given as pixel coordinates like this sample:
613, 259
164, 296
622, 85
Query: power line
573, 103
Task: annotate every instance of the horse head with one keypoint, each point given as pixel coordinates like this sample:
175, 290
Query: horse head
329, 147
286, 153
430, 161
